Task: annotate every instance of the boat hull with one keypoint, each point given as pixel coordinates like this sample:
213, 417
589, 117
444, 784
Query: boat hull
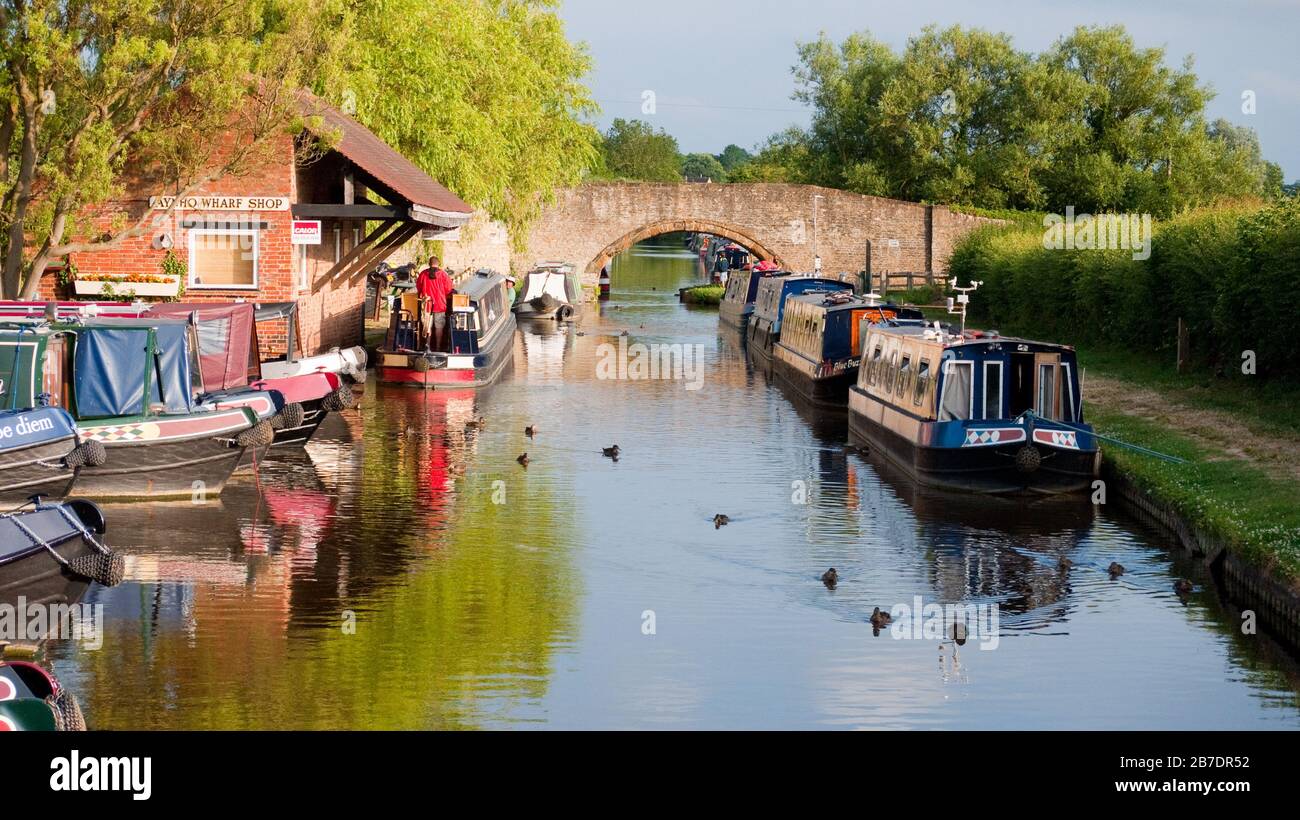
735, 315
759, 341
38, 469
164, 458
462, 371
990, 469
801, 375
30, 572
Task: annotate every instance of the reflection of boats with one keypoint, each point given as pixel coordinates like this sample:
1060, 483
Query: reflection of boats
31, 699
50, 554
549, 291
481, 331
769, 307
820, 344
975, 412
129, 387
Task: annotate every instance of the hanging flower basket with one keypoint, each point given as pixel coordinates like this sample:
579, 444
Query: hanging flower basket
135, 284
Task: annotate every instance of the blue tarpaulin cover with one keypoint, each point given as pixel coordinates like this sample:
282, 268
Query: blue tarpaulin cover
111, 363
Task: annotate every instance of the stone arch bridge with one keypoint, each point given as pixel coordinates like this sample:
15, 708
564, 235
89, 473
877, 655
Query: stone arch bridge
789, 224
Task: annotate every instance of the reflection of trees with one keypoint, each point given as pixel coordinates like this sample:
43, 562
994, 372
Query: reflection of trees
453, 616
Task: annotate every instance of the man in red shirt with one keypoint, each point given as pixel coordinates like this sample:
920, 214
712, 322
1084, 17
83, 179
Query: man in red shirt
434, 286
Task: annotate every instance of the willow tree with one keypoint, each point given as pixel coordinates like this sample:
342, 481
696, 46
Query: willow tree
98, 89
486, 96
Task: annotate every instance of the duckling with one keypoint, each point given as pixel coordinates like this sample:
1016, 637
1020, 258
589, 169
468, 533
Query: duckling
530, 430
1183, 586
580, 333
611, 452
523, 459
1064, 563
1115, 569
476, 424
880, 619
720, 520
830, 578
625, 333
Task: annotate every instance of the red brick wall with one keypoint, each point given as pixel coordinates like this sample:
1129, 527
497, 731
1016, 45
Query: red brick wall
330, 318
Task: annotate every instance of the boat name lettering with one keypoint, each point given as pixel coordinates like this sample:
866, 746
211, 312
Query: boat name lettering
26, 427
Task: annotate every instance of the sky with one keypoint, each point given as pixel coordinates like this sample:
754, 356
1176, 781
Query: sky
720, 69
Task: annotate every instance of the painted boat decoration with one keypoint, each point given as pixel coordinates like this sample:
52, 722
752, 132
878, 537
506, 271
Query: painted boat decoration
129, 386
974, 411
40, 451
742, 289
31, 699
50, 554
764, 328
551, 290
821, 343
481, 330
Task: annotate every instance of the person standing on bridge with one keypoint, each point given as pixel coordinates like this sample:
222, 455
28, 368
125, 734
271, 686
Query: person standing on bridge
433, 286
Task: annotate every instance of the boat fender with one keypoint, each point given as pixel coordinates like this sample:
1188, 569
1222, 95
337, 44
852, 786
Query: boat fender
289, 417
67, 712
341, 398
107, 568
259, 435
1028, 459
420, 363
89, 453
564, 313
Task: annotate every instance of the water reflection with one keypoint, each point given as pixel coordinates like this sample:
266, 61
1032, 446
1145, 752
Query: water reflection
405, 572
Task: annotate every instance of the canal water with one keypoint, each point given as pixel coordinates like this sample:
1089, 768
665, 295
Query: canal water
406, 572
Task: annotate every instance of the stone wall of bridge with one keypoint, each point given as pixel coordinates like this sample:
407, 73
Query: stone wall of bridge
591, 223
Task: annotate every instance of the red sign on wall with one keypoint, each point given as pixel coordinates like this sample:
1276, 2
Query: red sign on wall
306, 231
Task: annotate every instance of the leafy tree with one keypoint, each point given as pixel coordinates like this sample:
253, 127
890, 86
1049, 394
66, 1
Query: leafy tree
703, 166
487, 96
95, 88
732, 157
635, 150
962, 116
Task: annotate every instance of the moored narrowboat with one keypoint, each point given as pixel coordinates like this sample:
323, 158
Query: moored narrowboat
764, 326
821, 344
480, 333
742, 289
31, 699
129, 386
51, 554
973, 411
39, 451
552, 290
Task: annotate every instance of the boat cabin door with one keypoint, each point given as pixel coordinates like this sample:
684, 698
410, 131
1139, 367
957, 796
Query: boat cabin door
1047, 397
1020, 384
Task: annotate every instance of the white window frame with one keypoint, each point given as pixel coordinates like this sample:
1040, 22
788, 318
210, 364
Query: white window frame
1068, 394
1001, 389
1038, 388
970, 398
257, 256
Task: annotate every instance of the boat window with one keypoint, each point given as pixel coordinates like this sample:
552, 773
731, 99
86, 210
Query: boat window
993, 390
891, 373
1046, 391
1067, 395
922, 382
904, 372
876, 358
956, 400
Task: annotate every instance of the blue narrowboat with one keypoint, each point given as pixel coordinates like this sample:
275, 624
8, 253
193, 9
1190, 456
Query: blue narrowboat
769, 306
737, 303
820, 344
974, 411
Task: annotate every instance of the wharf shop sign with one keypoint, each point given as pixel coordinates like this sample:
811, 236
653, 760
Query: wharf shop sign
220, 203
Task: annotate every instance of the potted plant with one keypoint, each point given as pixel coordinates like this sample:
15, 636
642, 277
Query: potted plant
166, 283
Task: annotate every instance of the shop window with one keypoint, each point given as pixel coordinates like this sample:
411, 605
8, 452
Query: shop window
224, 258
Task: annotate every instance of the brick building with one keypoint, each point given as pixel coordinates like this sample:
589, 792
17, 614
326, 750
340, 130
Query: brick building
349, 207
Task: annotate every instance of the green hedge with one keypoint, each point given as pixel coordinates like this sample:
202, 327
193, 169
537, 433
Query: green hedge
1231, 273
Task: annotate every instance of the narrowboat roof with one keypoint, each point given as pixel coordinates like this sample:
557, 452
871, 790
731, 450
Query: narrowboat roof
971, 338
836, 300
480, 283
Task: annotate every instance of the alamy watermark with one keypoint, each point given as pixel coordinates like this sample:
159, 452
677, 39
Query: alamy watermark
33, 623
639, 362
941, 622
1130, 232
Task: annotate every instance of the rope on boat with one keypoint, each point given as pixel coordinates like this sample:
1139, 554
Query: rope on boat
1113, 440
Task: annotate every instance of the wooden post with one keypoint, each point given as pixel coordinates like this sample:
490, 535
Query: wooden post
1184, 346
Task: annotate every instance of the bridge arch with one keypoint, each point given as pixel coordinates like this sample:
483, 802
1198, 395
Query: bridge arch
731, 232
